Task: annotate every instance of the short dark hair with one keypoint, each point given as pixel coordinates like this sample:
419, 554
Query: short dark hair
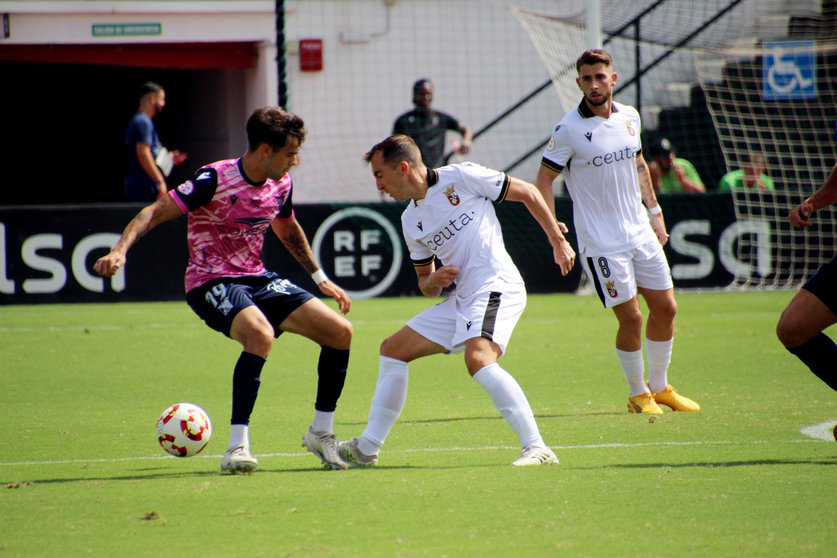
420, 83
395, 149
594, 56
148, 87
273, 126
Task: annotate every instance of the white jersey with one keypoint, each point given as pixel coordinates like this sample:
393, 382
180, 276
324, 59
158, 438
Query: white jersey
598, 159
456, 223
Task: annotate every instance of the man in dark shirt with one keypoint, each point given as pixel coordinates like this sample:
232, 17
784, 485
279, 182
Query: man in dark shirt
145, 181
427, 126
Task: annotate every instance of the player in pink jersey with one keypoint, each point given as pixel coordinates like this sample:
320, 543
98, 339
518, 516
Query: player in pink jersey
231, 204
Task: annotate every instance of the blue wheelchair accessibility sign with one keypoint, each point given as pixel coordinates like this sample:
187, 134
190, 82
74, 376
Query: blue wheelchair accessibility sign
789, 70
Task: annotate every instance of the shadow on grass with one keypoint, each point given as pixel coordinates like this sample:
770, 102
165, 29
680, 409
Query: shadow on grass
600, 413
197, 475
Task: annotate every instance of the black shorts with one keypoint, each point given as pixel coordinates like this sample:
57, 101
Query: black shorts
823, 284
217, 302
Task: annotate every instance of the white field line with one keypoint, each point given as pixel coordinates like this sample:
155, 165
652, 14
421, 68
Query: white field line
81, 328
54, 329
416, 450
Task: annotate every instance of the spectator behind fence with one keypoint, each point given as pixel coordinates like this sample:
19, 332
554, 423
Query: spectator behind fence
427, 127
671, 174
148, 161
751, 176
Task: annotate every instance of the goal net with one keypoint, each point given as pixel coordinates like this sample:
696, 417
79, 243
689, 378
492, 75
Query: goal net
777, 100
744, 101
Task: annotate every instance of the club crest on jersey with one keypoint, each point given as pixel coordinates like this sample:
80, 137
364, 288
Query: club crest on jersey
630, 130
452, 197
611, 289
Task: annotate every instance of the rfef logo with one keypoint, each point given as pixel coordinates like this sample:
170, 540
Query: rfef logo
360, 250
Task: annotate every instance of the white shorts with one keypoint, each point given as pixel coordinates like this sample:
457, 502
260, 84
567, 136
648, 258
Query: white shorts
617, 276
487, 313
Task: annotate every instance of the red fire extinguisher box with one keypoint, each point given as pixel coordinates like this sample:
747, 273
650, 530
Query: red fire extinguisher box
310, 55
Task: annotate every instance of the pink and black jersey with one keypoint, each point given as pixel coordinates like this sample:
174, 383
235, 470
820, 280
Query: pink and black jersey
228, 217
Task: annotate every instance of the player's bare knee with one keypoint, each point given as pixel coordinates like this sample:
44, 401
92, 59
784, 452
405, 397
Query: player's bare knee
475, 363
788, 333
389, 347
631, 320
342, 335
666, 312
259, 341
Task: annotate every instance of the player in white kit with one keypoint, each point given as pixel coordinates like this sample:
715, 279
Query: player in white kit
450, 216
597, 148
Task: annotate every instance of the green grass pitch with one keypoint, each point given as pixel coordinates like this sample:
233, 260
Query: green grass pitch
81, 473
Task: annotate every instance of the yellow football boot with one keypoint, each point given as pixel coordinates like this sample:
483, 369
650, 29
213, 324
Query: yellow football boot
670, 398
644, 403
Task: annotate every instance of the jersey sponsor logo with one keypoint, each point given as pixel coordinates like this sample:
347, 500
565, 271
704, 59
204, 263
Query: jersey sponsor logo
420, 226
233, 199
186, 188
252, 221
449, 231
251, 226
630, 129
611, 289
625, 154
452, 197
204, 175
551, 145
589, 136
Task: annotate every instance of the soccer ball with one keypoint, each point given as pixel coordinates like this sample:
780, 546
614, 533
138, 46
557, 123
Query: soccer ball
184, 429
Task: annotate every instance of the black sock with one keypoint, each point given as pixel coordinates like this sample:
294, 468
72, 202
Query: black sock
246, 382
820, 355
331, 370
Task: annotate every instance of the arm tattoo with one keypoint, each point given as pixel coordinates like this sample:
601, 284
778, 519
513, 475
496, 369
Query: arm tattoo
646, 187
297, 245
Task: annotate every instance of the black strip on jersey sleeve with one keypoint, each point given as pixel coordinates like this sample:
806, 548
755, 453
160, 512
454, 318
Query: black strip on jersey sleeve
424, 262
504, 191
551, 165
287, 210
204, 185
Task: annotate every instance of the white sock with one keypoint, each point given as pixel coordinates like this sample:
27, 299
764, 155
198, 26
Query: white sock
389, 398
634, 369
239, 436
510, 400
658, 354
323, 422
